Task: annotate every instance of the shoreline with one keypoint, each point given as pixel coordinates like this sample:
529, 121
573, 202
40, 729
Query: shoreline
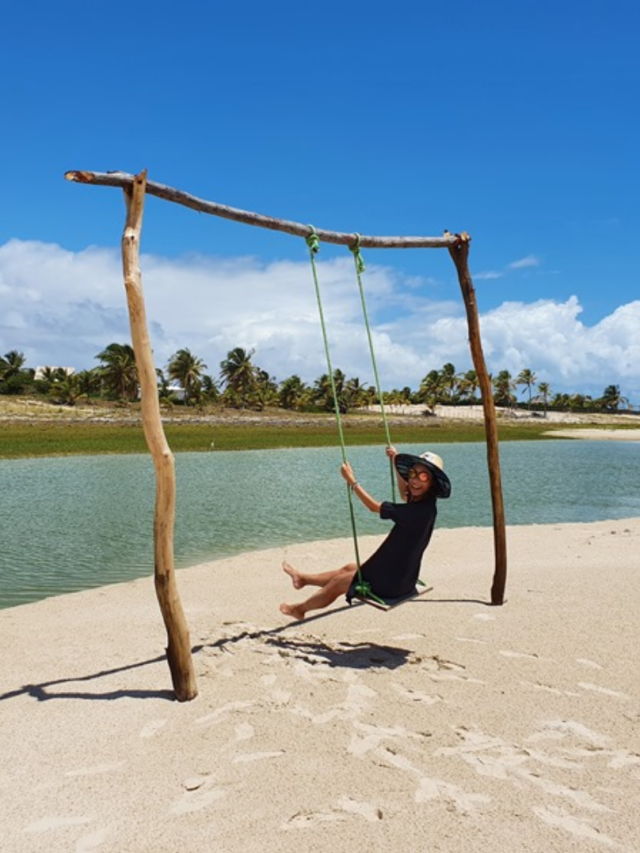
446, 723
363, 538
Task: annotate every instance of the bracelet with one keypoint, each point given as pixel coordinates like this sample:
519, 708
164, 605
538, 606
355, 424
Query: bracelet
354, 484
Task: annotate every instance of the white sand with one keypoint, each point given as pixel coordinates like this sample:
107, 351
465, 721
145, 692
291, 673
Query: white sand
444, 725
598, 434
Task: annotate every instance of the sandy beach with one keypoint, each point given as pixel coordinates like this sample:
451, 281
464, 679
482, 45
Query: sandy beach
443, 725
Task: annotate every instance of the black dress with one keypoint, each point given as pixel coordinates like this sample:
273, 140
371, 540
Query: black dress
393, 570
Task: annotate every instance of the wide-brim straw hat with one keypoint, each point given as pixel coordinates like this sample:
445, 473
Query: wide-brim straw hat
433, 463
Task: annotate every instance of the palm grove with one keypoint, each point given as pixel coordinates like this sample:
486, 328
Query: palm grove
241, 384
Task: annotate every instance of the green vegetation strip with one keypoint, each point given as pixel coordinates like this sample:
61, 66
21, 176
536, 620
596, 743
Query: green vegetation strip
66, 439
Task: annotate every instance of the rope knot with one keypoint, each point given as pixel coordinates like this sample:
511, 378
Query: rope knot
357, 257
313, 241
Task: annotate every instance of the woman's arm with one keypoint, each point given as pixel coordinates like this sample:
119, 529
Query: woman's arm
347, 472
403, 488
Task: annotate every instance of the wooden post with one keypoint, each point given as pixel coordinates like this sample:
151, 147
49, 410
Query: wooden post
178, 644
460, 255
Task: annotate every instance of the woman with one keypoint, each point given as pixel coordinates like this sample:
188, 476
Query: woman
392, 571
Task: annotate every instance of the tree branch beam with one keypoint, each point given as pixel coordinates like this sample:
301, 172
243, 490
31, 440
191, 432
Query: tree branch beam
124, 181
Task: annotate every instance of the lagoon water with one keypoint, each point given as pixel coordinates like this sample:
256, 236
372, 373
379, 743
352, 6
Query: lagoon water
79, 522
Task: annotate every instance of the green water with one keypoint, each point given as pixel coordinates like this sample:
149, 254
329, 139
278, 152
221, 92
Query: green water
80, 522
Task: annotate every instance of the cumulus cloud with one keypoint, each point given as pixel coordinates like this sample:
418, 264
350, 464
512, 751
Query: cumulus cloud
62, 307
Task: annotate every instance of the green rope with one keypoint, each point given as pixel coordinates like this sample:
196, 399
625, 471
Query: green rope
313, 242
363, 590
354, 248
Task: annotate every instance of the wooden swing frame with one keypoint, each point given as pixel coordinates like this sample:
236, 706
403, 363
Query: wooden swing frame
135, 187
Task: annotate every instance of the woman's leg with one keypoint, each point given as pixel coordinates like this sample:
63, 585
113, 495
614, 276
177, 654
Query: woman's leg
337, 585
300, 579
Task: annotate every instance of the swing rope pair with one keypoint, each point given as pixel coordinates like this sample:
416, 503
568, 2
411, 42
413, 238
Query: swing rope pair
362, 587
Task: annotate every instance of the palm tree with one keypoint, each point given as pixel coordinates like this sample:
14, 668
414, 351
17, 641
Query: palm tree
119, 372
292, 393
186, 368
13, 374
469, 384
238, 374
67, 390
51, 374
323, 392
448, 381
393, 397
431, 388
12, 364
90, 381
356, 394
560, 401
527, 378
209, 389
165, 394
266, 389
544, 391
502, 387
46, 377
611, 398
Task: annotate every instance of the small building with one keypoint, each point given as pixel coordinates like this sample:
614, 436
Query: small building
40, 370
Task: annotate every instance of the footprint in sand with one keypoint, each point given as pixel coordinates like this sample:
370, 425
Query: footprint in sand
244, 731
604, 690
257, 756
590, 663
416, 695
368, 738
221, 713
509, 654
407, 637
492, 756
453, 672
572, 728
437, 789
152, 728
46, 824
581, 828
96, 770
199, 794
344, 807
549, 689
93, 841
434, 789
305, 820
366, 810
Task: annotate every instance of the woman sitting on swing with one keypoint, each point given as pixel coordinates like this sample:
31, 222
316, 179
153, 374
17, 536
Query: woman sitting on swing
392, 571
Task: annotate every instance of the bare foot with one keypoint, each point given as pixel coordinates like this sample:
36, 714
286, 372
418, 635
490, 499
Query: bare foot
292, 610
296, 577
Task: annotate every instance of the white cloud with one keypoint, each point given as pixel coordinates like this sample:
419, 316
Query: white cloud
523, 263
61, 307
488, 276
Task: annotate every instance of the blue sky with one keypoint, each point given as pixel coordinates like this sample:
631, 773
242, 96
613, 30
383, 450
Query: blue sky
516, 122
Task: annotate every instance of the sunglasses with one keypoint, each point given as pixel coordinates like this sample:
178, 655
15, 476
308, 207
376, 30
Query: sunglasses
420, 475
